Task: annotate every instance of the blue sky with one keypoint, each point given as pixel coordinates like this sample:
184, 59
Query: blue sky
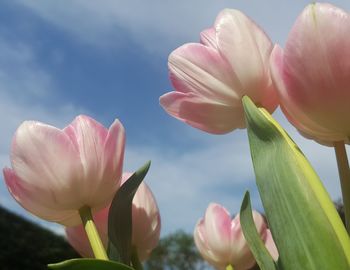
108, 59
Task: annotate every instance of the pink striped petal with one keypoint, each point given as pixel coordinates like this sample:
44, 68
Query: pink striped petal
231, 61
201, 241
63, 170
199, 69
298, 115
35, 200
314, 69
111, 164
89, 136
247, 48
221, 242
241, 256
218, 230
208, 38
146, 222
202, 113
44, 157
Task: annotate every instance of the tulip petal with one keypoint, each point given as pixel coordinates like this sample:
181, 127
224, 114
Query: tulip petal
77, 238
200, 238
34, 200
89, 137
113, 154
146, 223
315, 70
111, 164
247, 48
43, 156
202, 113
208, 38
295, 113
240, 252
218, 229
200, 69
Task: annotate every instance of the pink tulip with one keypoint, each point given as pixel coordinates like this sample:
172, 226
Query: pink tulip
211, 77
56, 172
145, 225
221, 242
312, 75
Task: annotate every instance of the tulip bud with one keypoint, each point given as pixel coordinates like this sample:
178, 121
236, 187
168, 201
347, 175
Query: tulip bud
57, 172
210, 78
145, 225
312, 74
221, 242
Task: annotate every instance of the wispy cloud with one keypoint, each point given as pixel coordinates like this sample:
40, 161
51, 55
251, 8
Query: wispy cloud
19, 73
156, 25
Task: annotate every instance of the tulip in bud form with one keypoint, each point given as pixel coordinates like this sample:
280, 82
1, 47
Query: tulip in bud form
57, 172
145, 225
312, 74
210, 78
221, 242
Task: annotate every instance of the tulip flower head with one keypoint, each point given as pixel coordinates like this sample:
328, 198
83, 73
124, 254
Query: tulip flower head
211, 77
221, 242
57, 172
145, 225
312, 74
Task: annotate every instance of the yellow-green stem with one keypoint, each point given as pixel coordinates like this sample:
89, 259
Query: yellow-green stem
344, 175
91, 231
229, 267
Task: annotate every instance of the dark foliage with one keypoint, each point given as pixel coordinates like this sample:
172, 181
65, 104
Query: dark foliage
176, 252
340, 208
25, 245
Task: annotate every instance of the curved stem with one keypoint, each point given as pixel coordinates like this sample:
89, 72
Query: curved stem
344, 175
136, 263
91, 231
229, 267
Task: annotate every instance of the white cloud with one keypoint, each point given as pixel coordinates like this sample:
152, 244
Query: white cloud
152, 24
19, 73
159, 26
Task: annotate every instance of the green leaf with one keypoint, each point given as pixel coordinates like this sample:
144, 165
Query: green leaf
305, 225
89, 264
257, 246
120, 218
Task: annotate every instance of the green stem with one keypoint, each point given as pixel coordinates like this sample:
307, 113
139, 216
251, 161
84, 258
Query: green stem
135, 260
91, 231
344, 175
229, 267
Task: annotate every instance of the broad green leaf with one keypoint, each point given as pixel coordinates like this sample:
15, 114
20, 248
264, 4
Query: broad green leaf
257, 246
120, 218
89, 264
304, 223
